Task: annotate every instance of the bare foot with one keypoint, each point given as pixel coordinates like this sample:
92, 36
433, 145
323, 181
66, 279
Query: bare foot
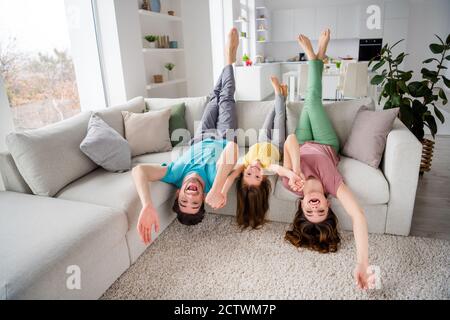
305, 43
232, 45
276, 85
323, 43
284, 89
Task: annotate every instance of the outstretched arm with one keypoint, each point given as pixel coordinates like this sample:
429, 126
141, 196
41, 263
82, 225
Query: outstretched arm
148, 217
363, 279
292, 154
225, 165
233, 176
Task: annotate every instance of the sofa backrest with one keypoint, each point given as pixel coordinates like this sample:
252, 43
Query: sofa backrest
43, 161
251, 115
341, 114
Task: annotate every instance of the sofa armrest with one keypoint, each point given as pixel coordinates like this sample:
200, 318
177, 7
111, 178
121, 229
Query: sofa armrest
401, 165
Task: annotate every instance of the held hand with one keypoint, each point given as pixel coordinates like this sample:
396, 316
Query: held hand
147, 219
296, 182
215, 199
364, 278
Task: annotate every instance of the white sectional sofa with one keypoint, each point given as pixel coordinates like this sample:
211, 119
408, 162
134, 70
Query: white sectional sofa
91, 221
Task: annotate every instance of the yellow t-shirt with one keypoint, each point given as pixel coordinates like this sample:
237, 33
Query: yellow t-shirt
265, 152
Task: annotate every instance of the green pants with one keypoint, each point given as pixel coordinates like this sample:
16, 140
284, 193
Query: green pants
314, 124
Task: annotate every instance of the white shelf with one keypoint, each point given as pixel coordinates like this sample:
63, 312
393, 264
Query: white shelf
261, 8
162, 50
163, 84
262, 30
261, 19
238, 21
146, 13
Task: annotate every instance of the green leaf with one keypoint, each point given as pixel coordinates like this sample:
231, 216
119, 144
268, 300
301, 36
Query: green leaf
406, 76
443, 96
439, 114
437, 48
418, 89
418, 108
429, 119
402, 86
406, 115
390, 48
442, 42
428, 60
378, 65
447, 41
442, 67
446, 81
396, 100
376, 80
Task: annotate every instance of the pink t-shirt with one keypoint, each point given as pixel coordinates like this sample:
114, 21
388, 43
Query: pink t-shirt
319, 161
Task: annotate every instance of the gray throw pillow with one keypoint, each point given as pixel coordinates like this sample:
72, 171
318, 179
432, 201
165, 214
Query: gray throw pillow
368, 135
105, 146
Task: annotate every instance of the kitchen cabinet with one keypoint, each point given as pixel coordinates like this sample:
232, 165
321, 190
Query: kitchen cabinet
304, 21
347, 22
253, 83
326, 17
283, 25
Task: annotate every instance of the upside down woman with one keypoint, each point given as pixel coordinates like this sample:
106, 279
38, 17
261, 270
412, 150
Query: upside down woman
312, 154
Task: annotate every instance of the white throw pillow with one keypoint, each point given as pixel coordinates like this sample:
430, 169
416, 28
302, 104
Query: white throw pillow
147, 132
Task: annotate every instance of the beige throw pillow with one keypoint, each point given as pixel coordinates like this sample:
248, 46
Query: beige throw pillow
147, 132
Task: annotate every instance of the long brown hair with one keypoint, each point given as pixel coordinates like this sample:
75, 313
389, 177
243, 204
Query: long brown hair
252, 203
323, 236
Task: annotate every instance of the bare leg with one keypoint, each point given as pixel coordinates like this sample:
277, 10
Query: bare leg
323, 43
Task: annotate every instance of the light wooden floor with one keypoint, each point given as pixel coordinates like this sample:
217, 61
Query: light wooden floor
431, 216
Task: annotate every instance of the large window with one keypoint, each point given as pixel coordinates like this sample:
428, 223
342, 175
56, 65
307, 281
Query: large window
36, 62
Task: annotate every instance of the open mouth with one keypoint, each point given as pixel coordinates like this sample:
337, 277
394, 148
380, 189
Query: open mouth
314, 201
192, 187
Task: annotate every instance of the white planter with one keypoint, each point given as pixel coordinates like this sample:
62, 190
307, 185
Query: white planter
152, 45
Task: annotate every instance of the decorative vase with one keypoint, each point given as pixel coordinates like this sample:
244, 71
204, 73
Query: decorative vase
169, 75
152, 45
427, 155
155, 5
145, 5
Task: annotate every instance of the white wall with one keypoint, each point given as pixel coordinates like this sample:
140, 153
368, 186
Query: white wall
121, 49
197, 44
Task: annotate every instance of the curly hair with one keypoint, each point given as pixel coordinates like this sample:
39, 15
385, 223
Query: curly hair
252, 203
322, 237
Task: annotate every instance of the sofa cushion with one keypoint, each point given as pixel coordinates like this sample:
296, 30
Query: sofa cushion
367, 183
147, 132
50, 158
115, 190
194, 110
367, 138
105, 146
340, 113
113, 116
40, 234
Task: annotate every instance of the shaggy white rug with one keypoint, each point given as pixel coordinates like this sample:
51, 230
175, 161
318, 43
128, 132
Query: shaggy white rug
216, 260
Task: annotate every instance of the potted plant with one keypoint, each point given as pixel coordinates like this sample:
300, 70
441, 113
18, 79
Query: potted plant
416, 99
151, 40
169, 66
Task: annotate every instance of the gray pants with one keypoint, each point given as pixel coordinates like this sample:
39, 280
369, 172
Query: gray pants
274, 127
219, 118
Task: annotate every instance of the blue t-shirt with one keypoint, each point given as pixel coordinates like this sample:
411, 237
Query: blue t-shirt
200, 158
